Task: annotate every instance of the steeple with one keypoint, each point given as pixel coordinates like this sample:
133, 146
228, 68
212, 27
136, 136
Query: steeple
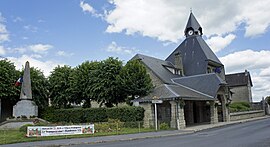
193, 27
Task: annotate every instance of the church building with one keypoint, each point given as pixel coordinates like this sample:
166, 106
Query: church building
189, 84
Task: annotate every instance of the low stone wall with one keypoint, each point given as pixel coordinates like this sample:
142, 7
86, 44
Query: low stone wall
246, 115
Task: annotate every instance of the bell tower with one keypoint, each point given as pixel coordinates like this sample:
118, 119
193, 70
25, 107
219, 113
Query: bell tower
193, 27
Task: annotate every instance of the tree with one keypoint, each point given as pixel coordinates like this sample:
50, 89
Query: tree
106, 86
60, 86
134, 80
268, 99
8, 77
82, 82
40, 88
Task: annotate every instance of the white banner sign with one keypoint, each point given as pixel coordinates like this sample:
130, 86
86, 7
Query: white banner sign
34, 131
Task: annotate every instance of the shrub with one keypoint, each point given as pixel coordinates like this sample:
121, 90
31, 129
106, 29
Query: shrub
268, 99
81, 115
164, 126
24, 127
95, 115
240, 106
126, 114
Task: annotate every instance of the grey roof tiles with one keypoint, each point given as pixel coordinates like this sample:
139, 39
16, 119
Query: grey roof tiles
238, 79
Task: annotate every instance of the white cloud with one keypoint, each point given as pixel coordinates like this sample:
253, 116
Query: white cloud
247, 59
25, 38
40, 48
4, 34
87, 7
2, 50
165, 20
41, 21
218, 43
17, 19
257, 16
64, 54
45, 66
265, 73
261, 87
37, 56
20, 50
114, 48
4, 37
257, 63
31, 28
148, 18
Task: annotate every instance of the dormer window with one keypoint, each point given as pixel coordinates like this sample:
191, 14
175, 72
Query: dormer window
175, 71
213, 69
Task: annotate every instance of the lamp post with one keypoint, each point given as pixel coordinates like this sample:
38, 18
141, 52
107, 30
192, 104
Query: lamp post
156, 101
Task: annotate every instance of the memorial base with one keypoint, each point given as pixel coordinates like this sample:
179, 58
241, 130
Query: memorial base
24, 108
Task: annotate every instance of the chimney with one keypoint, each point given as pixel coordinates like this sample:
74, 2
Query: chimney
246, 73
178, 61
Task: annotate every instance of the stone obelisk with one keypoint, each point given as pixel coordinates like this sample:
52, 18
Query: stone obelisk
25, 106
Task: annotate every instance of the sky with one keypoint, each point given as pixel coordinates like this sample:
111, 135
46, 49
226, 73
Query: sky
69, 32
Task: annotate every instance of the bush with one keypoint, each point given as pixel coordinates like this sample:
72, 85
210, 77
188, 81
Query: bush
164, 126
126, 114
24, 128
268, 100
95, 115
81, 115
240, 106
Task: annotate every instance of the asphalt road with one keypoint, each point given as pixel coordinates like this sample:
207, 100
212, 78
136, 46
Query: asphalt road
250, 134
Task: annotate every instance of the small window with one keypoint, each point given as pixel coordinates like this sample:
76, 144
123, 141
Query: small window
209, 70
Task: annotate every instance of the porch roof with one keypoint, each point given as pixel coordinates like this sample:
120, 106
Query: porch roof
205, 83
172, 92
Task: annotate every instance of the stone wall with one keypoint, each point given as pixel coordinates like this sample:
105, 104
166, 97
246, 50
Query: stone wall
155, 80
148, 115
15, 124
267, 109
241, 93
246, 115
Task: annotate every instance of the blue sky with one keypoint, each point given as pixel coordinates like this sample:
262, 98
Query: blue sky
50, 33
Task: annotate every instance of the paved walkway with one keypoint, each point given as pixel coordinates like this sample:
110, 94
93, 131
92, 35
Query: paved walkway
90, 140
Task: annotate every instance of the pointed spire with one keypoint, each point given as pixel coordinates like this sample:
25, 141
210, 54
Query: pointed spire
26, 92
193, 24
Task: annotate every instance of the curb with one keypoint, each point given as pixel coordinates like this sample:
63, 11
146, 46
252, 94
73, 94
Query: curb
116, 140
229, 123
112, 139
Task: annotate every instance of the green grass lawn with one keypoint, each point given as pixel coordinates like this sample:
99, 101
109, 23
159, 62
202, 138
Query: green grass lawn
15, 136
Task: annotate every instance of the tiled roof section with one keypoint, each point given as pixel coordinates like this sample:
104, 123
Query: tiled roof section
195, 55
170, 92
238, 79
157, 67
205, 83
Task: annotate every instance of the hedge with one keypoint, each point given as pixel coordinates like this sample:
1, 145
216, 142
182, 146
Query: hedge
240, 106
86, 115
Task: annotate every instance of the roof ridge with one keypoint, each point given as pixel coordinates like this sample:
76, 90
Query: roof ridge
192, 89
171, 90
235, 73
194, 76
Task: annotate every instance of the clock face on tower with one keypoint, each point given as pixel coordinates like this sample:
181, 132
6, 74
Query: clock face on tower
190, 32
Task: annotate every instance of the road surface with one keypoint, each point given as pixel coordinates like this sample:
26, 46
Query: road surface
250, 134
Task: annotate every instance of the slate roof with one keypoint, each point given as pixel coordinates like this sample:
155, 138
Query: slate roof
238, 79
157, 66
195, 55
205, 83
168, 92
196, 84
192, 23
